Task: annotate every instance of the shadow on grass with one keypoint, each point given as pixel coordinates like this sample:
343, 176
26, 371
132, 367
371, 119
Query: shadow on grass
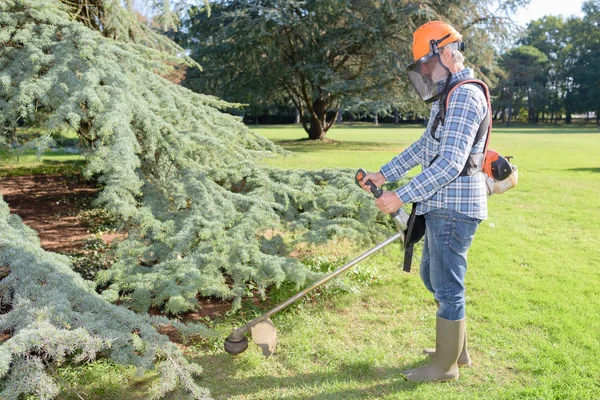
302, 146
343, 125
41, 168
585, 169
224, 380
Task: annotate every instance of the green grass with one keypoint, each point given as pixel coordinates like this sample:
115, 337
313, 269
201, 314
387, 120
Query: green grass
532, 288
30, 164
532, 292
19, 162
362, 143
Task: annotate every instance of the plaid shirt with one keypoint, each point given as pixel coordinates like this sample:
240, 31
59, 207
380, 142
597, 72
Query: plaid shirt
439, 184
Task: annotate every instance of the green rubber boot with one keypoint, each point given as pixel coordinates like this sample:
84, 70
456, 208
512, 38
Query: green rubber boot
464, 360
449, 338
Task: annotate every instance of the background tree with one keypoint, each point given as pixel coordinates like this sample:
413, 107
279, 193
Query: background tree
312, 52
522, 84
320, 54
586, 71
551, 36
572, 80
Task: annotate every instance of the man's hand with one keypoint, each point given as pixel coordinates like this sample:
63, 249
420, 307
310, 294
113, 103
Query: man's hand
376, 178
388, 202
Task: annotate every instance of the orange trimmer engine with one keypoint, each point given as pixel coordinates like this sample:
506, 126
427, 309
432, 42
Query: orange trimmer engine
501, 175
496, 166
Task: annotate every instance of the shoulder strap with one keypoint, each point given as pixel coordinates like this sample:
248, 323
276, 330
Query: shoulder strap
474, 162
443, 105
483, 129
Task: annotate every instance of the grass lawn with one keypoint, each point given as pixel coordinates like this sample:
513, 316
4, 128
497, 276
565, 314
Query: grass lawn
533, 303
532, 288
30, 164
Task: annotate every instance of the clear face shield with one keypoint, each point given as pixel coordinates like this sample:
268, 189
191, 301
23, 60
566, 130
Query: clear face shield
429, 76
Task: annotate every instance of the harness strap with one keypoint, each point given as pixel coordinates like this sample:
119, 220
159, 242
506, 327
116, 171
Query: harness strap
475, 161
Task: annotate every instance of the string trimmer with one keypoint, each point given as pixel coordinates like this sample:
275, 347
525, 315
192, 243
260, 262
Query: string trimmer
263, 330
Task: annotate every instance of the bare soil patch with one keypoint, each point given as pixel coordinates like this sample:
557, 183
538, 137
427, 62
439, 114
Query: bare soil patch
50, 204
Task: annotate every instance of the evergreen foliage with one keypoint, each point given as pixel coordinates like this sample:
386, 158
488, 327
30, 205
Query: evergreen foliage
108, 18
182, 175
54, 317
184, 178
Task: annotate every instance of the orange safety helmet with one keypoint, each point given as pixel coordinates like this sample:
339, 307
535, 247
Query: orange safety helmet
428, 38
427, 73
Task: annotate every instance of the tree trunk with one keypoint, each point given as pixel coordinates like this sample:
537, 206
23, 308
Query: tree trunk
376, 119
509, 114
297, 121
396, 116
340, 118
316, 131
568, 118
317, 120
530, 116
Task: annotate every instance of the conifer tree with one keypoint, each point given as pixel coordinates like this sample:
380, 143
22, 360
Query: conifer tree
55, 316
182, 174
185, 179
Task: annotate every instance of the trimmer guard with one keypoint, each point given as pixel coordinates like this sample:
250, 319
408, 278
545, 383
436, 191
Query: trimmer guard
264, 335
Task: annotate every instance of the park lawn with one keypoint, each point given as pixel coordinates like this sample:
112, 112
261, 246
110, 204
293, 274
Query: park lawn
532, 289
30, 164
19, 162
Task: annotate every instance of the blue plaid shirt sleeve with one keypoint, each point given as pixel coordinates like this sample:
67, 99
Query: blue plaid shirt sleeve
465, 111
403, 162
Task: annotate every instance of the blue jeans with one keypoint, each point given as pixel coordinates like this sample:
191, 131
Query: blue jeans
448, 236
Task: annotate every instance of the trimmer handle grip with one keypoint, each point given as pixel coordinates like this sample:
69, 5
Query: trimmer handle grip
399, 216
360, 174
377, 192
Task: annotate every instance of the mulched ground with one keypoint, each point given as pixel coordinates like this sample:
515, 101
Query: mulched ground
49, 204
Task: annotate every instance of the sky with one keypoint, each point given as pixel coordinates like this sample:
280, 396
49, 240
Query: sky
539, 8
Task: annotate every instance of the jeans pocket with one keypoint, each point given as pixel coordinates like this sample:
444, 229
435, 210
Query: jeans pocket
463, 232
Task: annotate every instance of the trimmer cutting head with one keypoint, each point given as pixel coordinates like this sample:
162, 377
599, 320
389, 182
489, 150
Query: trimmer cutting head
263, 334
236, 347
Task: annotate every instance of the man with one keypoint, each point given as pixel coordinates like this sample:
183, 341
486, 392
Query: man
453, 202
